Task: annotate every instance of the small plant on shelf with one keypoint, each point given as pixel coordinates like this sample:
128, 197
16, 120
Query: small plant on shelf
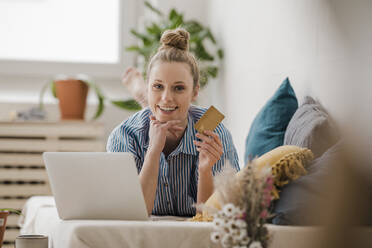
85, 84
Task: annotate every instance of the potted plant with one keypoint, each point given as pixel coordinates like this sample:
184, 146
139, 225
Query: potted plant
199, 36
4, 212
72, 94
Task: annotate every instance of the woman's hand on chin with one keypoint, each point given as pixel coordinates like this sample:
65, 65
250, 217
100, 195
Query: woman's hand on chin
159, 130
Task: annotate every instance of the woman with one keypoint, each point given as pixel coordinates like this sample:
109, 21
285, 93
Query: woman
176, 164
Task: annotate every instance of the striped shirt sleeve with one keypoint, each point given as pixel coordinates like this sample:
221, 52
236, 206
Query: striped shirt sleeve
120, 140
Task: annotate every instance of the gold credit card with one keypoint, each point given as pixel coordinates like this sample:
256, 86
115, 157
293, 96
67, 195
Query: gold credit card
209, 121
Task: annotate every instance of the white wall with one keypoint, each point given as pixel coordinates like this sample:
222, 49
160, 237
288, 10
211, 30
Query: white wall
322, 45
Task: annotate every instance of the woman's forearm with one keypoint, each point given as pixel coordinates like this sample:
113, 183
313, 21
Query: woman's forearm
149, 178
205, 186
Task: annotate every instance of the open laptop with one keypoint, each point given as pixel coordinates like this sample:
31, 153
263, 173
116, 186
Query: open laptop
95, 185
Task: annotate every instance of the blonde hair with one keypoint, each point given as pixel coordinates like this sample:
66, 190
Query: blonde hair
175, 48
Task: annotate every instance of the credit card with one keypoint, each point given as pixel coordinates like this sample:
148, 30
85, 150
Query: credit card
209, 121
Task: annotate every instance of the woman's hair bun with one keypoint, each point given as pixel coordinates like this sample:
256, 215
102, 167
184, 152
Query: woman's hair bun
178, 38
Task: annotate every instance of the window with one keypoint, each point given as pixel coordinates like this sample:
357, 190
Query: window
69, 36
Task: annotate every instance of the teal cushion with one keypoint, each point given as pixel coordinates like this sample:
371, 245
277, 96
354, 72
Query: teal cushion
268, 128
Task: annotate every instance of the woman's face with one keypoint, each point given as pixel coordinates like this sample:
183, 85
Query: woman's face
171, 91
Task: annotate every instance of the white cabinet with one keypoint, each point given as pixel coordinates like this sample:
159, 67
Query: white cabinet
22, 171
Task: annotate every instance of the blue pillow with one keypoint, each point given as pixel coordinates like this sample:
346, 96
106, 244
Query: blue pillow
268, 128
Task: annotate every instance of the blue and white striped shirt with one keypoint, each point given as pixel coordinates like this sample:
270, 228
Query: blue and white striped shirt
178, 173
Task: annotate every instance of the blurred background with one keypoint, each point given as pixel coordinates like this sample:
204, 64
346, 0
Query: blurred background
322, 46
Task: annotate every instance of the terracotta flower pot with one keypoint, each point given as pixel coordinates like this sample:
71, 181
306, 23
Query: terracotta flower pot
72, 96
3, 217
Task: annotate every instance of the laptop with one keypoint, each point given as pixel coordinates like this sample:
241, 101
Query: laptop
95, 185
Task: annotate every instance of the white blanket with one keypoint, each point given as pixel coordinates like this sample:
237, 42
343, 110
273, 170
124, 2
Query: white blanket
32, 219
41, 217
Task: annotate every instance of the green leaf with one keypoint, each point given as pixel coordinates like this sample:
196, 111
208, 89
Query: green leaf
154, 29
203, 34
148, 5
193, 27
212, 71
11, 210
128, 105
133, 48
145, 39
52, 86
175, 18
203, 78
220, 53
202, 54
53, 89
101, 98
211, 37
172, 14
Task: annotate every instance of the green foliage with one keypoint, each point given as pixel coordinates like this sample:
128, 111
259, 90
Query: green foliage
199, 34
129, 104
10, 210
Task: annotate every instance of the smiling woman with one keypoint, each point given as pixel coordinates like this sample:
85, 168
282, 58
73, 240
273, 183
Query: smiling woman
169, 97
175, 164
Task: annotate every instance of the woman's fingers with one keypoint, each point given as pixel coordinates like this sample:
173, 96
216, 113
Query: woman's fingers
209, 150
153, 120
216, 153
210, 143
173, 133
172, 123
214, 136
177, 128
211, 140
170, 126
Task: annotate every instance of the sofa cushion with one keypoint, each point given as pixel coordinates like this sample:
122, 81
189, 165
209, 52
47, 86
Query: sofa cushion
268, 127
297, 196
311, 127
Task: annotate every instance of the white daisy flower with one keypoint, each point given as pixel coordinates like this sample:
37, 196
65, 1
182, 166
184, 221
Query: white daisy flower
227, 241
245, 240
227, 231
215, 237
226, 223
255, 244
220, 214
229, 210
218, 223
235, 232
242, 233
241, 223
232, 225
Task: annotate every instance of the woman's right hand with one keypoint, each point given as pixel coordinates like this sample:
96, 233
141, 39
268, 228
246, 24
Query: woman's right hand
158, 133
